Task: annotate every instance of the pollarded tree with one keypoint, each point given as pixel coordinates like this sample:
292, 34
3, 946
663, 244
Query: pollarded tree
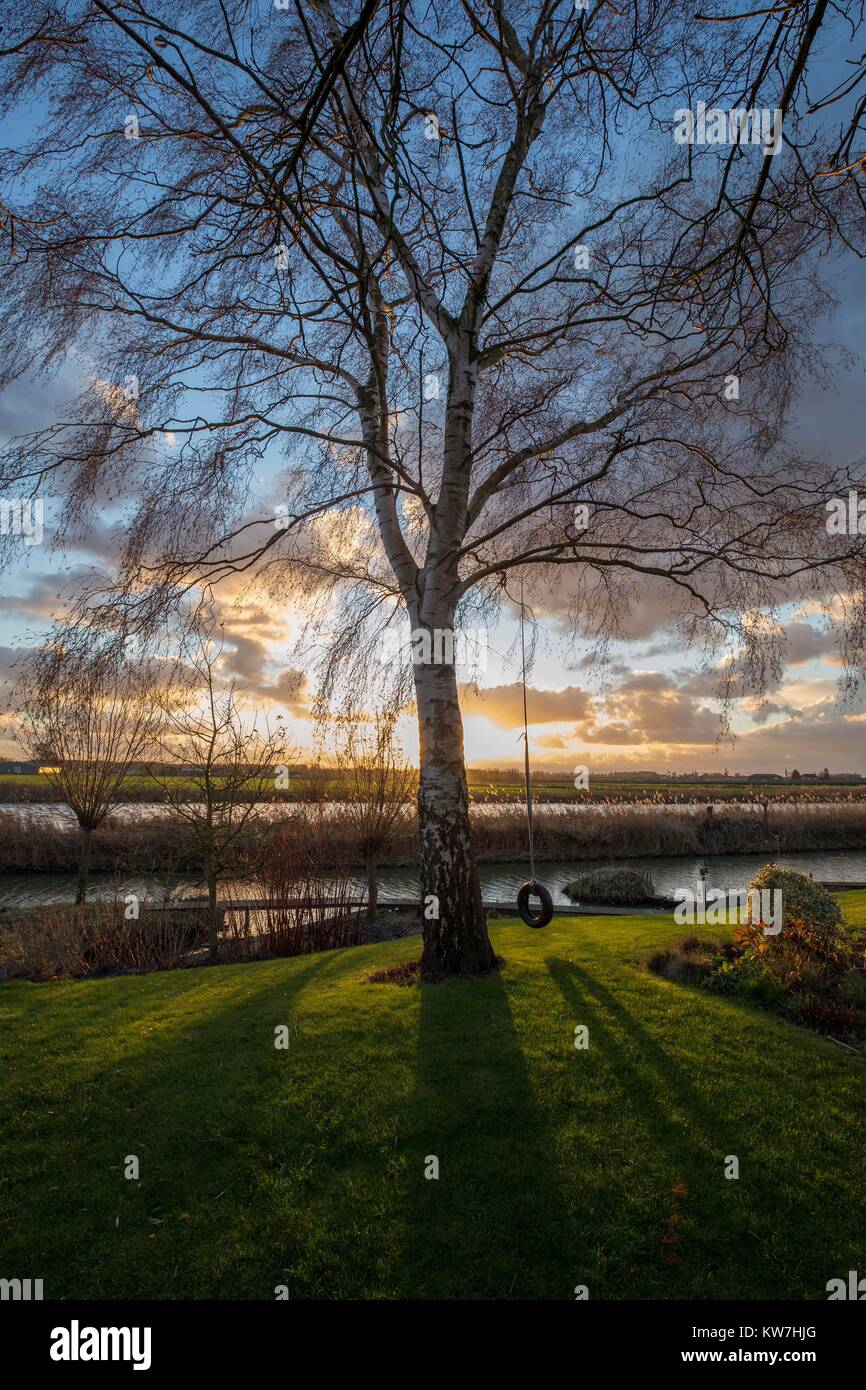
88, 713
506, 309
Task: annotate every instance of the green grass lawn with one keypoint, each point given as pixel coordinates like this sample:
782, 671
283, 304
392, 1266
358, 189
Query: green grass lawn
305, 1167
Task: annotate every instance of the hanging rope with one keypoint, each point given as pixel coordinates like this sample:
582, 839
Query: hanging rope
526, 774
533, 888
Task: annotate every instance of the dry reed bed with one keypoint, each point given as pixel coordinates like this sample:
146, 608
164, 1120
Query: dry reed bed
163, 845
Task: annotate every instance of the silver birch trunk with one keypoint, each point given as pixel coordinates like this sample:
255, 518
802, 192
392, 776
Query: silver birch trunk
455, 923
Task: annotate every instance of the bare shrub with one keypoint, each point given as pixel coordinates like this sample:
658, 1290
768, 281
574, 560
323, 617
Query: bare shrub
303, 909
688, 963
376, 786
41, 945
71, 942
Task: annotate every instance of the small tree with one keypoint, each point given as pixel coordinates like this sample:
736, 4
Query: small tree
376, 784
229, 764
86, 714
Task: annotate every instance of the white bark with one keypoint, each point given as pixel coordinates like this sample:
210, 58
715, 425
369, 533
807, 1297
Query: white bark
455, 930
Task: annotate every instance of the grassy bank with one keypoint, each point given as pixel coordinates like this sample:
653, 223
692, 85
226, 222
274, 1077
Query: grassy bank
162, 845
305, 1167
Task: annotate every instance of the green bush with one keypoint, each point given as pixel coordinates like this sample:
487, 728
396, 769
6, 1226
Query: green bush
616, 884
803, 900
813, 971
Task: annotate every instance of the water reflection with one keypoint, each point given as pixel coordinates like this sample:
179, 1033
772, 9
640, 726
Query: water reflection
499, 882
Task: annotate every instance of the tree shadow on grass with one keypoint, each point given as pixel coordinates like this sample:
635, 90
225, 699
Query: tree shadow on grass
494, 1225
228, 1131
675, 1114
711, 1236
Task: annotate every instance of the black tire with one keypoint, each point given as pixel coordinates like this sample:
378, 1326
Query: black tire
525, 912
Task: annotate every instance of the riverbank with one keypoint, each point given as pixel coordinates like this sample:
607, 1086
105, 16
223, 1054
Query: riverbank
162, 844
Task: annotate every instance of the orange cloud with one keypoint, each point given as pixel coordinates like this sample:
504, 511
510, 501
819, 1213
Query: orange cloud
503, 704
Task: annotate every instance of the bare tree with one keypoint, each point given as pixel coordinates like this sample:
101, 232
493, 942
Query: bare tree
86, 714
499, 319
226, 762
375, 785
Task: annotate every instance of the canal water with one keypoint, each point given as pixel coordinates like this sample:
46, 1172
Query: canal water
499, 882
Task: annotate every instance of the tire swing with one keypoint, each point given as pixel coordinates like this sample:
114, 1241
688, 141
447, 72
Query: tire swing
532, 888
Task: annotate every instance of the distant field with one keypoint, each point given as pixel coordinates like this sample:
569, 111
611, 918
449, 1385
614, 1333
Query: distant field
37, 787
667, 792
